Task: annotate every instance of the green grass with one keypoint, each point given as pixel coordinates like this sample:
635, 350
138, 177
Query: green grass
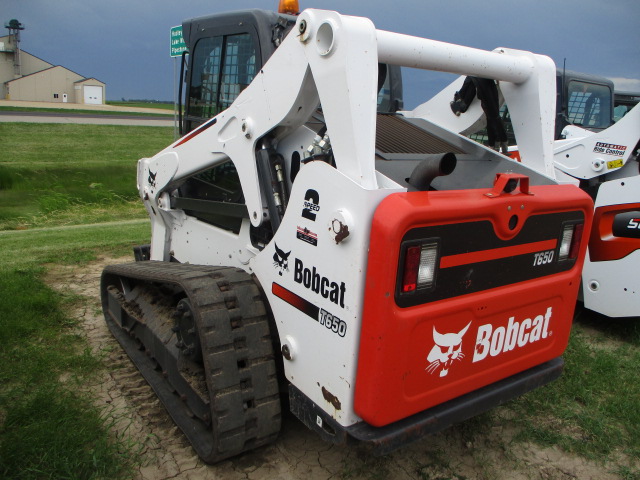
28, 451
72, 244
50, 427
159, 106
49, 169
593, 410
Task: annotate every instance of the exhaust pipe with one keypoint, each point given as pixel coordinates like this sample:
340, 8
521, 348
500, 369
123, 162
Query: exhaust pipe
430, 168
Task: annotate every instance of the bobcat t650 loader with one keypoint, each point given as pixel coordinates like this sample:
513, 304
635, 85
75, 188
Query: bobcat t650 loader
386, 276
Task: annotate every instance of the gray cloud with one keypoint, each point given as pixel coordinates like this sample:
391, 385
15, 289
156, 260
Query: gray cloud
126, 43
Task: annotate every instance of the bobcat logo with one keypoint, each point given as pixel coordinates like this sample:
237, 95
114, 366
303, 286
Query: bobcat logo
152, 178
447, 348
281, 260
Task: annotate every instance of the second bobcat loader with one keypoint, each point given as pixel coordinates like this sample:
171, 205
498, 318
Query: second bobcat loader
380, 275
599, 155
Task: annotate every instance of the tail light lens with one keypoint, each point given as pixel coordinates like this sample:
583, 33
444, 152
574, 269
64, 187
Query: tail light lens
577, 239
570, 241
410, 271
419, 267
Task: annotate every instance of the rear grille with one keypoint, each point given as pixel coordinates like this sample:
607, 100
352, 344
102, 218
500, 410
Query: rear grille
395, 135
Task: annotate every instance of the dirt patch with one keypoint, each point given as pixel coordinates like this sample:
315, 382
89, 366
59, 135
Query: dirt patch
477, 449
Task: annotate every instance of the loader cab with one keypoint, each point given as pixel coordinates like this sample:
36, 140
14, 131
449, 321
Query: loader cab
583, 100
623, 102
226, 50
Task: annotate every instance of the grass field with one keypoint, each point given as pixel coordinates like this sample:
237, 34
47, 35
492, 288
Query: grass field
50, 427
159, 106
68, 194
56, 182
58, 170
594, 408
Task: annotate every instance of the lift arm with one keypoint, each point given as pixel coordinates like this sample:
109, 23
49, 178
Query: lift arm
332, 60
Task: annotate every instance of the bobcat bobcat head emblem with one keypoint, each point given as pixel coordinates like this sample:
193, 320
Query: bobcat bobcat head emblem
281, 260
447, 349
152, 178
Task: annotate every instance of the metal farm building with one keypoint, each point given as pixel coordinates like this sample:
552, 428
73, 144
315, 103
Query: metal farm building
28, 78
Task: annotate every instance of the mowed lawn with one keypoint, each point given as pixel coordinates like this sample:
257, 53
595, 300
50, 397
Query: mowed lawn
57, 170
57, 183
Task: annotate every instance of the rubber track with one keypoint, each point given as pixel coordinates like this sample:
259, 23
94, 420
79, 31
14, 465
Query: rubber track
237, 354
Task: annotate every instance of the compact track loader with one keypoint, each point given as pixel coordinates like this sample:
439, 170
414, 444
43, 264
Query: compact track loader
378, 274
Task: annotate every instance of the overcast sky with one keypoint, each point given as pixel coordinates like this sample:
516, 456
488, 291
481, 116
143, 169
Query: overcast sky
125, 43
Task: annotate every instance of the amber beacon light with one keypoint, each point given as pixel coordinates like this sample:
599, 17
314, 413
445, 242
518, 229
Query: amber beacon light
289, 6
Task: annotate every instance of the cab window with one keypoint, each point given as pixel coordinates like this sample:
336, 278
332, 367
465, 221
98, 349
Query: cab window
589, 105
222, 67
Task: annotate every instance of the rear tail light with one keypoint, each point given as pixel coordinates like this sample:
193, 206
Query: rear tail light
577, 239
570, 241
419, 268
565, 242
410, 271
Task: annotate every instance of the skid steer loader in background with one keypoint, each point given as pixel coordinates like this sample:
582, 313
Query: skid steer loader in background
623, 102
384, 275
601, 154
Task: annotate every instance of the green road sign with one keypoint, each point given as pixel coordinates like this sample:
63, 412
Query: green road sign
177, 42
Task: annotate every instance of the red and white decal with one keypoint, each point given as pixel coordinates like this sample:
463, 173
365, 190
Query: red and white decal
610, 149
307, 236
